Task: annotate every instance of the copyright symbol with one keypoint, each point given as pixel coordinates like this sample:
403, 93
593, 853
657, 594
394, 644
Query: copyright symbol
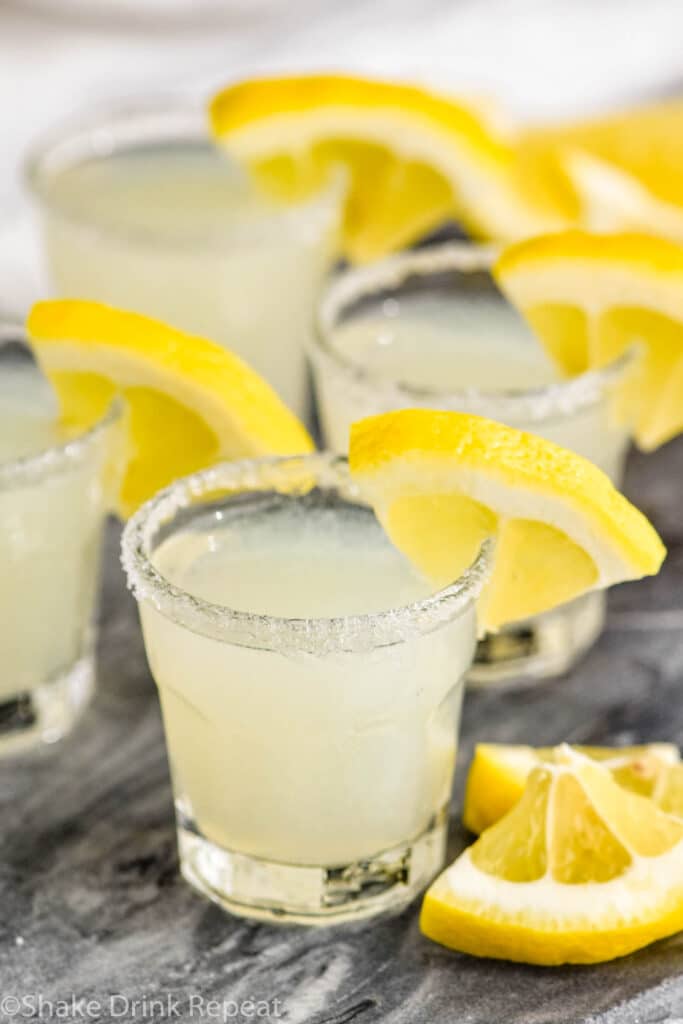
10, 1006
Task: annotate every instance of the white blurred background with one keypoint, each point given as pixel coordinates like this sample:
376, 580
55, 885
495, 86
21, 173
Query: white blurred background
541, 58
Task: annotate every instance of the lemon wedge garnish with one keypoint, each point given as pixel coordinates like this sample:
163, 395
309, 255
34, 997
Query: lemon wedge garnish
621, 172
414, 158
579, 871
589, 297
441, 482
499, 772
190, 401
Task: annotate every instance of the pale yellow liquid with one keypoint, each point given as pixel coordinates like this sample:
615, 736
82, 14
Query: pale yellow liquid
174, 231
305, 758
49, 535
441, 345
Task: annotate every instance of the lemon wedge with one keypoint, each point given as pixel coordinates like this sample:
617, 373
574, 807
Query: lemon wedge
621, 172
414, 158
590, 297
190, 401
499, 772
579, 871
441, 482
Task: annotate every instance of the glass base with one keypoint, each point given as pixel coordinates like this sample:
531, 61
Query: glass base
292, 894
47, 713
540, 648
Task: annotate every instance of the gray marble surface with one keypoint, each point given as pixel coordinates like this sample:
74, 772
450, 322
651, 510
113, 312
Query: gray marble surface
92, 906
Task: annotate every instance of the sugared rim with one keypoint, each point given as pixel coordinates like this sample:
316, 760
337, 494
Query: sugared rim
318, 636
101, 132
514, 406
58, 458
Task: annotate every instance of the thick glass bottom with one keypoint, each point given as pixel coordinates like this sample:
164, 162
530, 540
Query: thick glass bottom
294, 894
540, 648
48, 712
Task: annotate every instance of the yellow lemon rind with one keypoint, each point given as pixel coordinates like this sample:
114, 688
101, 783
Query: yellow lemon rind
401, 450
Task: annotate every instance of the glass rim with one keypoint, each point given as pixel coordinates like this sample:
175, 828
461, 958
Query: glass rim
309, 635
57, 458
515, 405
99, 131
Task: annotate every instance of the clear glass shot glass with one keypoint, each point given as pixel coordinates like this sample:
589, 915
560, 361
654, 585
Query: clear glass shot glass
53, 505
311, 757
430, 329
139, 208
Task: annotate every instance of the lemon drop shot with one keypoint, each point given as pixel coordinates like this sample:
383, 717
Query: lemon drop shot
140, 209
53, 500
310, 681
309, 624
432, 329
117, 406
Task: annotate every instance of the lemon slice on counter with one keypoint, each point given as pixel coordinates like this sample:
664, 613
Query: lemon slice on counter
190, 401
579, 871
441, 482
499, 772
414, 158
590, 297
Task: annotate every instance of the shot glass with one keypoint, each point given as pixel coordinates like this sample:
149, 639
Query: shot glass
311, 757
140, 209
430, 328
53, 504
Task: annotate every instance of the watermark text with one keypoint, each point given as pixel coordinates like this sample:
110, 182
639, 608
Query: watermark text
192, 1005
